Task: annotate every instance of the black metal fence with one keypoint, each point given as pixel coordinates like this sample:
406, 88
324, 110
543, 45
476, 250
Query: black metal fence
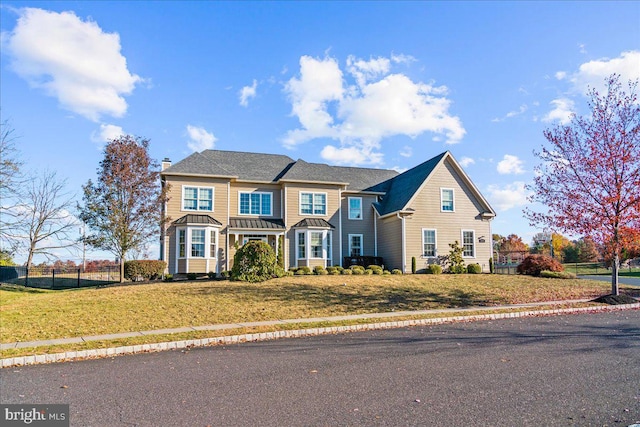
50, 278
509, 268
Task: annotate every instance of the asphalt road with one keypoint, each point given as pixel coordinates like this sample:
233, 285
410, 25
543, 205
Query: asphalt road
575, 370
623, 280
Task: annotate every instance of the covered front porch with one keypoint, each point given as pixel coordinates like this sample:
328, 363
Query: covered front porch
243, 230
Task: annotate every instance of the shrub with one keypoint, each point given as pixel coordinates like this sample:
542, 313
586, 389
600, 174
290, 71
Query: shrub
224, 274
533, 265
557, 274
211, 275
413, 265
288, 273
396, 271
333, 271
168, 277
339, 268
474, 269
491, 265
454, 259
255, 262
192, 276
433, 269
144, 269
304, 270
319, 270
346, 272
386, 272
368, 271
376, 269
357, 271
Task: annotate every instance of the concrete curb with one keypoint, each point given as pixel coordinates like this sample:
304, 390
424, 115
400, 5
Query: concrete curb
264, 336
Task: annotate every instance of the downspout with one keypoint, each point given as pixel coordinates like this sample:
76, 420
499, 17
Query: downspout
404, 249
283, 206
375, 232
226, 257
340, 225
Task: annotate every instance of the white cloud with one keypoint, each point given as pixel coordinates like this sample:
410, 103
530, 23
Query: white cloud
351, 155
561, 75
248, 92
510, 165
406, 151
513, 113
466, 161
107, 133
563, 108
72, 60
507, 197
594, 73
378, 105
200, 139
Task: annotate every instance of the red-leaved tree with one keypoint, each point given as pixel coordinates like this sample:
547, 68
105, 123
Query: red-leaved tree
123, 209
589, 180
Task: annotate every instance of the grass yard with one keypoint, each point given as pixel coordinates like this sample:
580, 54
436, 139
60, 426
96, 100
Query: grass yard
34, 314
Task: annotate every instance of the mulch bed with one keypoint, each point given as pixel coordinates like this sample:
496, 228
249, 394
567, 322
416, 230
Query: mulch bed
616, 299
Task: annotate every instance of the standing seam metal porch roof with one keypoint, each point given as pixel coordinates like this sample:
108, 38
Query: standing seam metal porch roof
256, 224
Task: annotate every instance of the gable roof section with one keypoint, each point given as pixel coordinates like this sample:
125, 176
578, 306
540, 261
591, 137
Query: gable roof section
313, 223
402, 188
356, 179
233, 164
405, 187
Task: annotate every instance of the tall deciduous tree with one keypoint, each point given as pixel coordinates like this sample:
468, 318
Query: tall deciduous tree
590, 176
46, 221
123, 209
10, 184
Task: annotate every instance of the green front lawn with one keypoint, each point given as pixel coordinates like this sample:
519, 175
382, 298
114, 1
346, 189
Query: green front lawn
32, 314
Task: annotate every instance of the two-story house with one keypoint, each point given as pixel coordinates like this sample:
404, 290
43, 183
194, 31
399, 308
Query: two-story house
318, 214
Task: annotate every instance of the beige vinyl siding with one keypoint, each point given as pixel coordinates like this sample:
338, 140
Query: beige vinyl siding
174, 212
293, 216
276, 199
448, 225
365, 226
390, 242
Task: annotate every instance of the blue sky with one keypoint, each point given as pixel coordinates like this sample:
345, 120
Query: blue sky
375, 84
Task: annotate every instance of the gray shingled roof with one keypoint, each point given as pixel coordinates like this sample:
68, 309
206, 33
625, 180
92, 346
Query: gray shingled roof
256, 223
244, 166
313, 222
358, 179
404, 186
196, 219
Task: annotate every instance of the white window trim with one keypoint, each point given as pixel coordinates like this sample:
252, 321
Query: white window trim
260, 193
453, 196
361, 208
313, 193
435, 238
326, 235
361, 244
188, 241
462, 243
199, 187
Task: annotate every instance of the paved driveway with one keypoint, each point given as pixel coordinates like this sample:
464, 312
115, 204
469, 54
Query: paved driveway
576, 370
631, 281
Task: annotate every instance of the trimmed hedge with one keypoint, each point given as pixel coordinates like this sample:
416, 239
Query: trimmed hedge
434, 269
255, 262
144, 269
474, 269
557, 274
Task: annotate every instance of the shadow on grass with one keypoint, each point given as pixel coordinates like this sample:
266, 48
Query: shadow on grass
351, 298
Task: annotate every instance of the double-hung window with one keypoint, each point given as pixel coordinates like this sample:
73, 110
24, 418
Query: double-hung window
355, 244
313, 203
256, 203
446, 200
316, 244
468, 243
182, 243
313, 244
355, 207
197, 243
428, 243
197, 199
